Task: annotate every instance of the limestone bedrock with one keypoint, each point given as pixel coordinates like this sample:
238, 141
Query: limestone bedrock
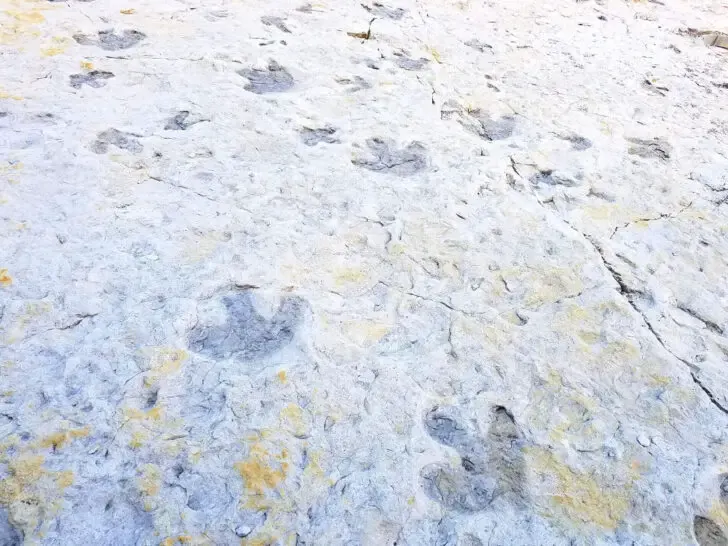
405, 272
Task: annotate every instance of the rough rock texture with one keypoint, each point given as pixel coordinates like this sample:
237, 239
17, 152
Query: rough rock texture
267, 277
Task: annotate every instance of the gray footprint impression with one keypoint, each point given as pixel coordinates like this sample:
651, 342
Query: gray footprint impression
385, 157
95, 79
490, 467
118, 139
110, 41
246, 334
273, 79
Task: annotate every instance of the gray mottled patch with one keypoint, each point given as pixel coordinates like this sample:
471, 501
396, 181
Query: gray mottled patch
9, 535
311, 137
457, 490
650, 149
95, 79
495, 129
118, 139
707, 532
551, 178
443, 425
505, 458
380, 10
387, 158
446, 534
278, 22
470, 540
357, 83
273, 79
110, 41
578, 142
478, 45
408, 63
246, 334
182, 121
489, 468
478, 122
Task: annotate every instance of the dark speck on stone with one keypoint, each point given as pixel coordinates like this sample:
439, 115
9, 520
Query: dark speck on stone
273, 79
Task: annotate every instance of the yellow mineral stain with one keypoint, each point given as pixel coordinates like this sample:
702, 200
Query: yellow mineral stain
660, 380
59, 439
32, 16
154, 414
60, 44
138, 437
550, 285
363, 332
348, 275
5, 95
621, 351
5, 279
186, 539
128, 11
150, 480
435, 55
313, 469
719, 514
86, 65
31, 311
262, 471
64, 479
166, 360
32, 494
282, 376
163, 361
580, 497
589, 338
292, 420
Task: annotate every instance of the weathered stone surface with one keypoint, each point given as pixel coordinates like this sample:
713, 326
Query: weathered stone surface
461, 281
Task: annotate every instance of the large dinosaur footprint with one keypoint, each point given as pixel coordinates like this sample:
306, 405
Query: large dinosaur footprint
489, 468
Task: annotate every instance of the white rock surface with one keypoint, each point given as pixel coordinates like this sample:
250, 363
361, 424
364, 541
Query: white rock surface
460, 283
